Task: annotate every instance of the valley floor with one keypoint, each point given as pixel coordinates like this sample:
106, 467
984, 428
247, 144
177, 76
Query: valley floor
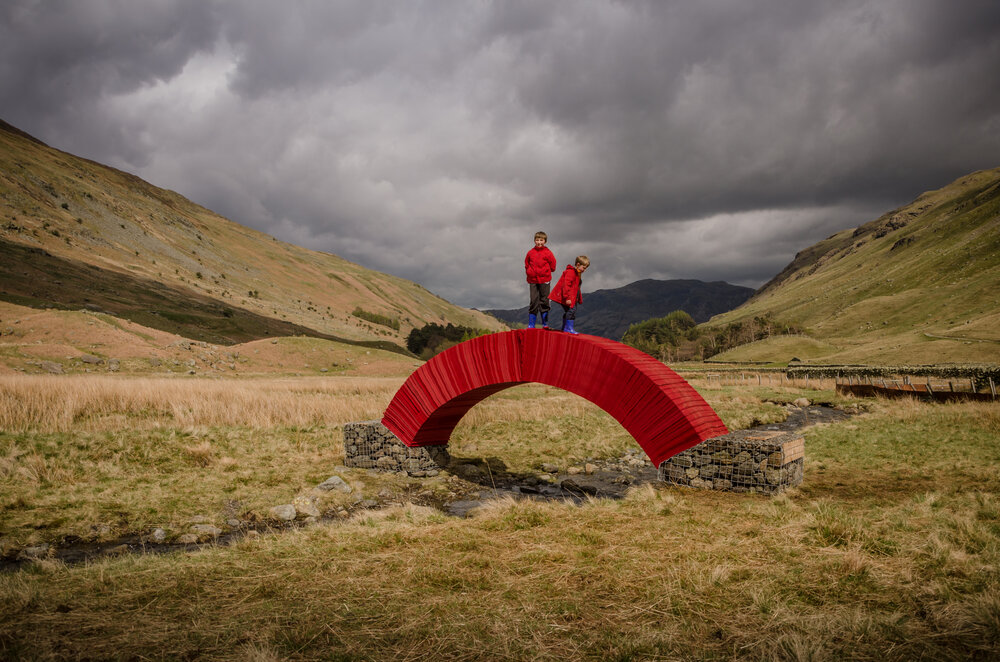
890, 549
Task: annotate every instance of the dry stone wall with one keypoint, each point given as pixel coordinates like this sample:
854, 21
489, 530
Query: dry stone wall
370, 445
768, 462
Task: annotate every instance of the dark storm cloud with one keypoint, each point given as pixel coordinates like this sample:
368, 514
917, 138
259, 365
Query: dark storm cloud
709, 140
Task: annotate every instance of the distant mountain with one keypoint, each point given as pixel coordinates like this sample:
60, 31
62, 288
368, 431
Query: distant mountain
75, 234
609, 313
920, 284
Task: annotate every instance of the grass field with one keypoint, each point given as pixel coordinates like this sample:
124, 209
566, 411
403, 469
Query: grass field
890, 549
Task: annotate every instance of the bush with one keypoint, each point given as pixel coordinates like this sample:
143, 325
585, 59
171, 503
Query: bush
676, 337
375, 318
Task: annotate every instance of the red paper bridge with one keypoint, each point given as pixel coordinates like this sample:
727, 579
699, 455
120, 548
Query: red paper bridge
652, 402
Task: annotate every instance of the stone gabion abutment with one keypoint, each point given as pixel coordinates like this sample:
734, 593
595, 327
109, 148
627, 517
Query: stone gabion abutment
370, 445
764, 461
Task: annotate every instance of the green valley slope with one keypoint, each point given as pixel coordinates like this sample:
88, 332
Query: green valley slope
76, 234
918, 285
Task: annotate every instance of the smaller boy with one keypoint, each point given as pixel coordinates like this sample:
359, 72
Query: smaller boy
567, 291
539, 264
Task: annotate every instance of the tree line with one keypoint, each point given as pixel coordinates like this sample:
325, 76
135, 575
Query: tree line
677, 336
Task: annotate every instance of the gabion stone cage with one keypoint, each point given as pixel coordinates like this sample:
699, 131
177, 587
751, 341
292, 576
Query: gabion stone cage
764, 461
370, 445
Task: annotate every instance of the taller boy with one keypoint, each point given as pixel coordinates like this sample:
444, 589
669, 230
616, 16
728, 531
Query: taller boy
539, 264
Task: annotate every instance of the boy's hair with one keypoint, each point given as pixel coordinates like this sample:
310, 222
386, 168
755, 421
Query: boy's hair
583, 260
541, 235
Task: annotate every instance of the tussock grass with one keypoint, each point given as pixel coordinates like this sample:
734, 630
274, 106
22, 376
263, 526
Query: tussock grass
61, 404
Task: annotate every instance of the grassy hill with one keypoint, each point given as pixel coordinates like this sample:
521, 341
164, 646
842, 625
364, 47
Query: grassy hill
75, 234
920, 284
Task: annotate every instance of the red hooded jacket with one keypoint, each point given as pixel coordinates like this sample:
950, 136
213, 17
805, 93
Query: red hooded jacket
539, 264
568, 288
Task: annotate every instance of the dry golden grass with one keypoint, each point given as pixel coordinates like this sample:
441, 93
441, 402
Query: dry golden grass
889, 550
61, 404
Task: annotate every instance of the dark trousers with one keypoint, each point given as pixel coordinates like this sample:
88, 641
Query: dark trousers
539, 293
568, 312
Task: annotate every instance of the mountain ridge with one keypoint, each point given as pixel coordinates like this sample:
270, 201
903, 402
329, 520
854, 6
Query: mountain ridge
610, 312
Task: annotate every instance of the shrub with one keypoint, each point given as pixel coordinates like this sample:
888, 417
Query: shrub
375, 318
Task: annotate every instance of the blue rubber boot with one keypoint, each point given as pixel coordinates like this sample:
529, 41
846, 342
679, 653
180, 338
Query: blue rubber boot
545, 320
531, 320
568, 327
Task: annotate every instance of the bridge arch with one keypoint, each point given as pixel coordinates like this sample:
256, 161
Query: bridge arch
661, 411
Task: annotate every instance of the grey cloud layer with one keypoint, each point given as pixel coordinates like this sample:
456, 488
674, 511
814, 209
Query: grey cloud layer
430, 139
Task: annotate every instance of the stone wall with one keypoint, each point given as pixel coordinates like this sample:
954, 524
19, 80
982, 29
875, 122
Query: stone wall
743, 461
370, 445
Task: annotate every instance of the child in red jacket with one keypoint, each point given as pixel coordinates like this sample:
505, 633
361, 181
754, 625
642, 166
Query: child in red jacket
539, 264
567, 291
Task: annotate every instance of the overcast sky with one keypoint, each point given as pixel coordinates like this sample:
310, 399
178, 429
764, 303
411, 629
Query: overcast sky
664, 139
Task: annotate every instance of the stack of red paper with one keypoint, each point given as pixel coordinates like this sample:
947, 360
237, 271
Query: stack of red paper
654, 404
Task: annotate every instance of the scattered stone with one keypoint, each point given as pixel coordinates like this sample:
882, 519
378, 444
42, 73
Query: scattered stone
206, 530
306, 507
576, 488
54, 368
589, 468
550, 468
285, 512
369, 503
801, 402
574, 471
187, 539
159, 535
114, 365
91, 359
335, 483
34, 552
234, 523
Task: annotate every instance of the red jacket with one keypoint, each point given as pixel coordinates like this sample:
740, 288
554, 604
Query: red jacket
539, 264
568, 288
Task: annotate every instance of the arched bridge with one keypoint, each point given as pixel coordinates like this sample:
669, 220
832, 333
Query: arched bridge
653, 403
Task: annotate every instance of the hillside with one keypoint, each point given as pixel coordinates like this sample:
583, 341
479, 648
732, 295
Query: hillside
609, 313
919, 284
75, 234
77, 342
